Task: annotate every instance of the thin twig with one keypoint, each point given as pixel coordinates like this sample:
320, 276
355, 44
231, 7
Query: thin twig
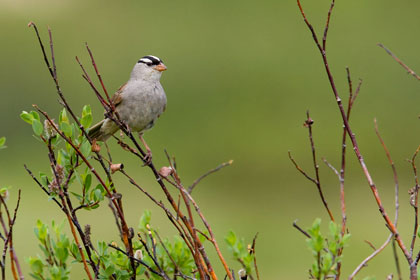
370, 257
255, 255
352, 136
394, 172
182, 231
295, 225
327, 25
76, 239
411, 72
190, 189
308, 124
397, 262
9, 239
206, 224
41, 186
300, 169
388, 155
154, 259
137, 260
414, 193
370, 244
180, 274
100, 78
396, 205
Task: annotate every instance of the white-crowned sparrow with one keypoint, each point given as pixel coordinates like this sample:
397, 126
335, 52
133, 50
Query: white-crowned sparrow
139, 102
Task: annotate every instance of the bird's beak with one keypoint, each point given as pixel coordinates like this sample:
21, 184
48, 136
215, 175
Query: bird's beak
161, 67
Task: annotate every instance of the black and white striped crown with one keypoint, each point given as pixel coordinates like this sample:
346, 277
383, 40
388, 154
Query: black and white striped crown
150, 60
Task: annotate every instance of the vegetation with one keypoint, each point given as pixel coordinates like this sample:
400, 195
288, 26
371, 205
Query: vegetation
80, 178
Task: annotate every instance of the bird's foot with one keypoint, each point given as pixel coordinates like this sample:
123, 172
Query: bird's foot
147, 159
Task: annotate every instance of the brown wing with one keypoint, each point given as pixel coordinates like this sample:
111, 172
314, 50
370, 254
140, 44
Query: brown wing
117, 97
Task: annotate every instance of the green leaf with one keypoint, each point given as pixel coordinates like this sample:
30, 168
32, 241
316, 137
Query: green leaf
346, 239
37, 127
145, 220
2, 142
140, 269
86, 148
43, 178
66, 128
87, 182
109, 271
36, 265
41, 230
86, 110
63, 158
333, 247
315, 269
97, 195
26, 117
231, 238
35, 115
102, 248
92, 207
78, 196
3, 190
63, 117
55, 272
327, 264
315, 229
86, 119
74, 130
333, 229
62, 254
36, 277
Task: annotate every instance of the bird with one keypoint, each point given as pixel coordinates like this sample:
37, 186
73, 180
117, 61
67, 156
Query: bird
139, 102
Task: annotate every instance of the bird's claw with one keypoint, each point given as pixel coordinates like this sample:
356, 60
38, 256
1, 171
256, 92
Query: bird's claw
147, 159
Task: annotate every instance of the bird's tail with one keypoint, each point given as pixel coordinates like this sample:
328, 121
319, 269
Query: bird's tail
95, 131
103, 130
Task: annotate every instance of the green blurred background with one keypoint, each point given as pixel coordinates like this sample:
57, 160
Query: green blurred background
241, 76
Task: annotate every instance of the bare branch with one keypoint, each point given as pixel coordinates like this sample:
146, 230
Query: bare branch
352, 136
370, 257
411, 72
308, 124
295, 225
190, 189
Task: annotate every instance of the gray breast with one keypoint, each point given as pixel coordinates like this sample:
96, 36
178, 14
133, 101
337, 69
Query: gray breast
140, 108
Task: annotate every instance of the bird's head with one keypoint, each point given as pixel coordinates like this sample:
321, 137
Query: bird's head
148, 67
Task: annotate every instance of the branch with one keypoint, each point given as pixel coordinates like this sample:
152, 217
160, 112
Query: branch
308, 124
370, 257
411, 72
352, 136
137, 260
295, 225
255, 255
9, 239
394, 172
154, 259
190, 189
